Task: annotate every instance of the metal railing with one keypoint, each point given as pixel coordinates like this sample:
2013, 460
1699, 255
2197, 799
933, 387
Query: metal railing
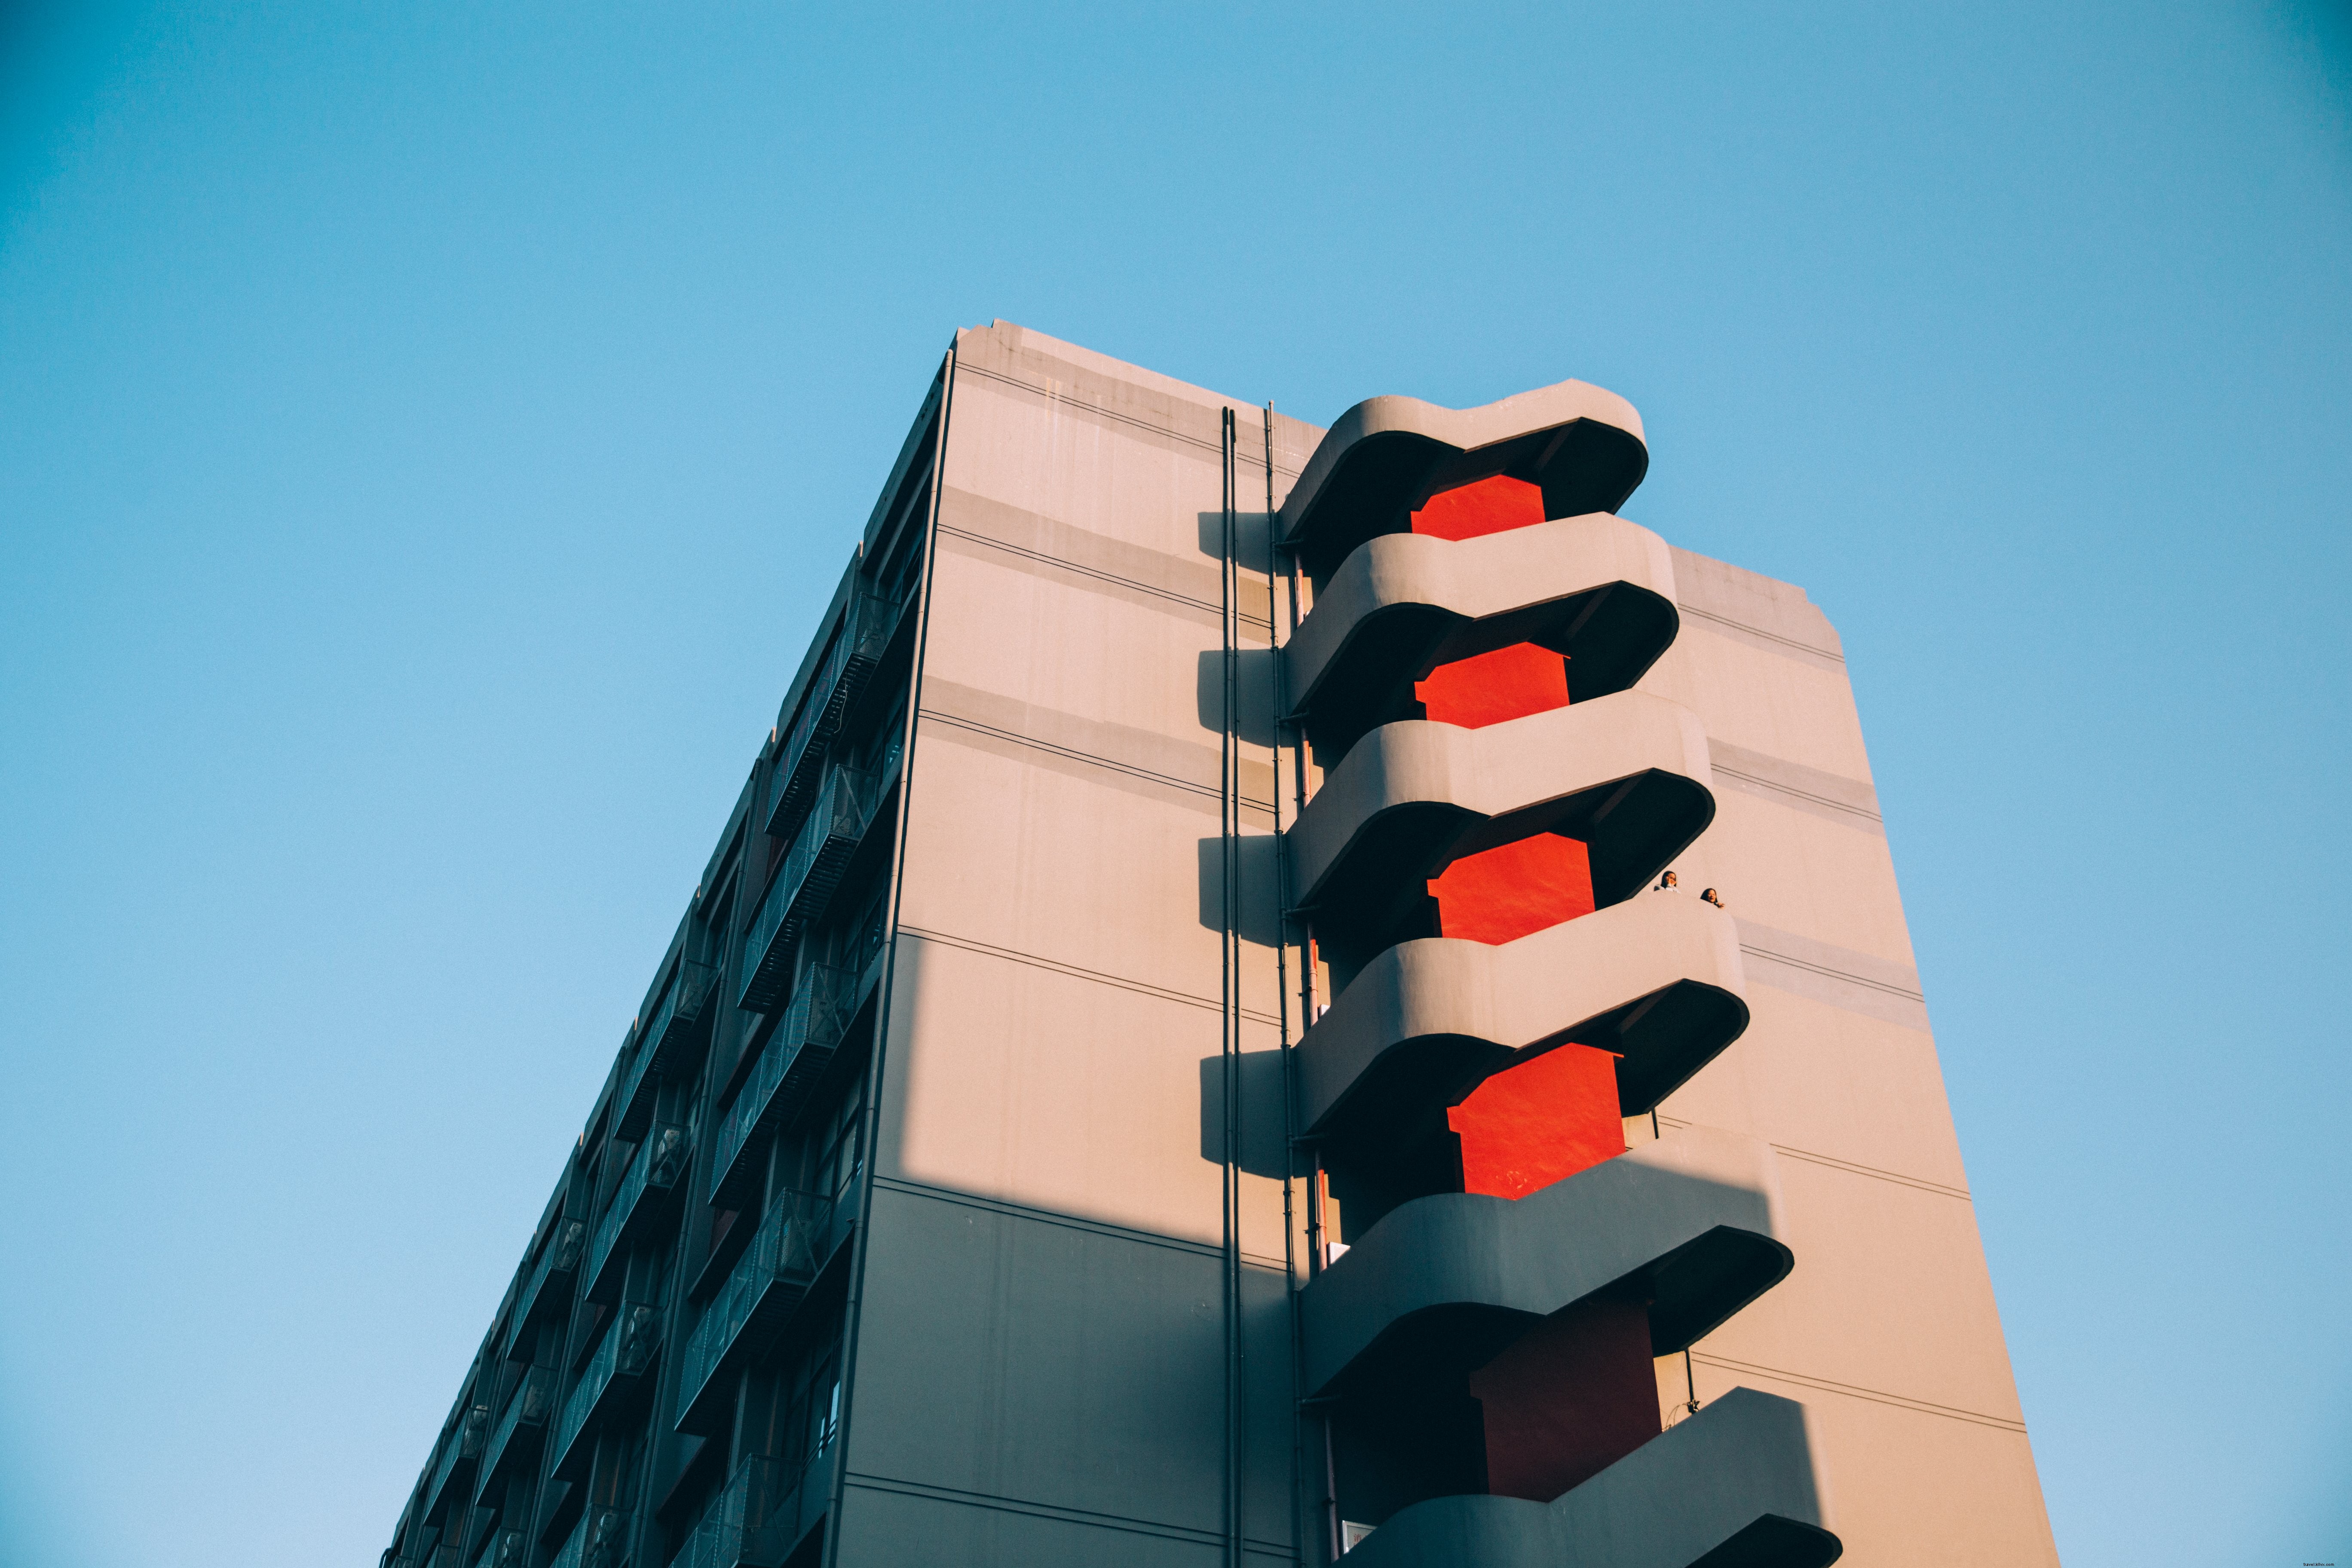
767, 1505
775, 1271
811, 869
796, 1053
598, 1541
527, 1408
561, 1255
680, 1008
655, 1167
865, 635
630, 1343
464, 1444
501, 1549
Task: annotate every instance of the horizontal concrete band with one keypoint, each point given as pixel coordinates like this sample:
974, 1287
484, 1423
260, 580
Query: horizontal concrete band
1494, 776
1742, 1473
1403, 600
1438, 1015
1693, 1220
1581, 444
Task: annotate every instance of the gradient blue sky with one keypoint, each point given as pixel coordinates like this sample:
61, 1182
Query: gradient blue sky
427, 432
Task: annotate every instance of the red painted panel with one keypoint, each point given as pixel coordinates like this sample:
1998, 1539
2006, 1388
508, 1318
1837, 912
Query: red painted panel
1540, 1122
1486, 506
1488, 687
1501, 894
1568, 1399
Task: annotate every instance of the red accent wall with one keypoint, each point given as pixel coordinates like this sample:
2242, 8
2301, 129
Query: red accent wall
1501, 894
1540, 1122
1568, 1399
1488, 506
1488, 687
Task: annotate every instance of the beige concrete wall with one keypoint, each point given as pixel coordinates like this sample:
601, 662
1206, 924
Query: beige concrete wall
1887, 1328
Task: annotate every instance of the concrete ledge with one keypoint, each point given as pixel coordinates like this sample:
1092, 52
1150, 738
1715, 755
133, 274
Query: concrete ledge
1597, 588
1738, 1483
1627, 774
1387, 454
1442, 1284
1656, 979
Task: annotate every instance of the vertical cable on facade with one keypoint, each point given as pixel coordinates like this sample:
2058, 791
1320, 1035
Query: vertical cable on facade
1228, 874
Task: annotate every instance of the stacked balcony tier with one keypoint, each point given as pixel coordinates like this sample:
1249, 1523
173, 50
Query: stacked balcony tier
764, 1512
857, 650
1627, 774
1735, 1485
799, 1235
661, 1048
460, 1451
514, 1442
638, 1204
624, 1358
1384, 456
1443, 1284
1654, 980
797, 1052
804, 882
547, 1291
1597, 590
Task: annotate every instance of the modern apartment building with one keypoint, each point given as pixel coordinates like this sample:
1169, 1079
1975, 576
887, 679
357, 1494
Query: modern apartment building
1272, 993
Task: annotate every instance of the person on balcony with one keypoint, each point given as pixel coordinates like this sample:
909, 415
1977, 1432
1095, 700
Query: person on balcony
1669, 883
1712, 896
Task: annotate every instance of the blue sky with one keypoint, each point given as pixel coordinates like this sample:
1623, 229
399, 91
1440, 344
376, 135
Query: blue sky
426, 433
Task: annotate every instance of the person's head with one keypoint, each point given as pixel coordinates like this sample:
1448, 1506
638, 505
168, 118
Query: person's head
1712, 896
1667, 881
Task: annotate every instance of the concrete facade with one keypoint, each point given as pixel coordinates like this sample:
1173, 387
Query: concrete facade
1033, 1147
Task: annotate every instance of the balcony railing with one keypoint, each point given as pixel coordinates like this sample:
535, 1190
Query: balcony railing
796, 1056
549, 1282
658, 1044
519, 1428
659, 1163
458, 1455
502, 1549
767, 1508
625, 1355
865, 635
598, 1541
802, 884
769, 1280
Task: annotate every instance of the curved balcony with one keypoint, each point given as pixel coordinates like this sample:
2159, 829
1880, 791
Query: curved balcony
1387, 454
637, 1206
1655, 980
1627, 774
1441, 1285
1736, 1484
1597, 589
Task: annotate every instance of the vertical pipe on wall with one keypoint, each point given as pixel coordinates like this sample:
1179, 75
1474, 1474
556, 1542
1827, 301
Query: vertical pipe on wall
856, 1294
1229, 875
1279, 690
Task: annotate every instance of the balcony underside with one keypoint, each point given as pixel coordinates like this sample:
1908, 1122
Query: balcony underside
1596, 589
1441, 1285
1735, 1485
1387, 454
1655, 979
1627, 774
